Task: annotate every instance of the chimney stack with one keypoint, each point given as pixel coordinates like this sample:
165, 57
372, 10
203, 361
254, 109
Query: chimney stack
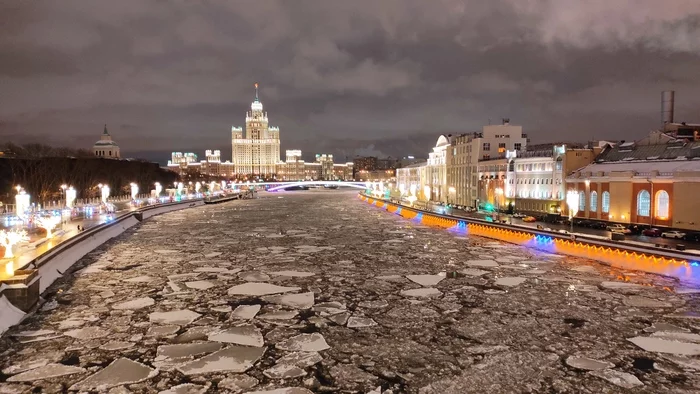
667, 104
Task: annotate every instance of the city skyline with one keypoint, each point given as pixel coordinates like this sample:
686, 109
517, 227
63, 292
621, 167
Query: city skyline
382, 80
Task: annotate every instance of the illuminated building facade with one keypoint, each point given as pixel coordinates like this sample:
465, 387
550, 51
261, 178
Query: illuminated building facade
257, 151
653, 184
294, 168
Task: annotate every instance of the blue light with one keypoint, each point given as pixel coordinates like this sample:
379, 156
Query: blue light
695, 264
418, 217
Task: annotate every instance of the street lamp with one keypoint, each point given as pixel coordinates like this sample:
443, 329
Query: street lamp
63, 188
159, 189
105, 192
572, 198
134, 190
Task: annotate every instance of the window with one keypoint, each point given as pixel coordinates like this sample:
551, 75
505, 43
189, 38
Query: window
511, 166
518, 146
662, 204
486, 157
501, 147
559, 164
594, 201
606, 202
487, 146
581, 201
643, 203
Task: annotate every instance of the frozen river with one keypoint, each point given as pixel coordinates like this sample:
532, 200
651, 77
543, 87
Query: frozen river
317, 291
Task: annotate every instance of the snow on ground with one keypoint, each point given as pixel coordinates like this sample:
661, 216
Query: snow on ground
320, 292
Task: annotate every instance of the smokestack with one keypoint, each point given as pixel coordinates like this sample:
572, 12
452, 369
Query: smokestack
667, 103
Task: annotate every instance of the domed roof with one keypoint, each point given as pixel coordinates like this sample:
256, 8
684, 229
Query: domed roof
105, 140
442, 141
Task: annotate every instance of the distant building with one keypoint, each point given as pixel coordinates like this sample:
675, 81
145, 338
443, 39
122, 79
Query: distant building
106, 147
186, 165
294, 168
531, 181
257, 152
468, 149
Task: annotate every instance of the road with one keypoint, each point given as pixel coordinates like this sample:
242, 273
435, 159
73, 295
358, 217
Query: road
585, 230
364, 301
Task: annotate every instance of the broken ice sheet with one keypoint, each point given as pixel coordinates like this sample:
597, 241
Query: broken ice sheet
304, 342
87, 333
135, 304
359, 322
121, 371
245, 312
588, 364
425, 280
247, 335
200, 285
510, 281
259, 289
423, 292
660, 345
162, 331
293, 274
186, 388
46, 372
180, 317
236, 359
298, 301
187, 350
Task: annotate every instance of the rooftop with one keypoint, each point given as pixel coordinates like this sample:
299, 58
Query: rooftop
630, 151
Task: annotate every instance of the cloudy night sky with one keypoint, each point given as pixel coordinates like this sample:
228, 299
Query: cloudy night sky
343, 77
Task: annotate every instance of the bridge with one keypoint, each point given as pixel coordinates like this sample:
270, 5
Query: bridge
275, 186
325, 292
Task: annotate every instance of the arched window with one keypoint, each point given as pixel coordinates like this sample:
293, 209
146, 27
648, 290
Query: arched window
511, 166
594, 201
643, 203
662, 204
606, 202
581, 201
559, 163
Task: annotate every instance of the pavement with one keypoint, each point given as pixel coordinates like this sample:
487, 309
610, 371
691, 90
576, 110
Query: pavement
308, 292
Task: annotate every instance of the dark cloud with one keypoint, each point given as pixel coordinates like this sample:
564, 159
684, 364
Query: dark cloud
384, 77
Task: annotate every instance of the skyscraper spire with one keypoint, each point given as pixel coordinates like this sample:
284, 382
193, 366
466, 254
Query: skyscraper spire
256, 92
105, 131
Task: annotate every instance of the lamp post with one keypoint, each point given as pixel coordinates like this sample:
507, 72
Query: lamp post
134, 190
572, 202
499, 197
63, 188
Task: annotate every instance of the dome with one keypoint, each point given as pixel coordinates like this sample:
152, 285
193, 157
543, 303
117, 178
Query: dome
442, 141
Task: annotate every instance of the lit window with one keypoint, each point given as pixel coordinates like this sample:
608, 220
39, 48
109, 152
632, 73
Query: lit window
662, 204
643, 203
606, 202
594, 201
581, 201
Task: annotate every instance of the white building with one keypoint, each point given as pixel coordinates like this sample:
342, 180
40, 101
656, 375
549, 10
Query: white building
436, 171
105, 147
492, 143
257, 152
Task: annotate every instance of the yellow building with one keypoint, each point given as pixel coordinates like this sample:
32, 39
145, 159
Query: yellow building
642, 183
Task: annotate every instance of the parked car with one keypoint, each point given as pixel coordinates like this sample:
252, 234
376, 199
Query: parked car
693, 237
598, 225
529, 219
618, 228
652, 232
673, 234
